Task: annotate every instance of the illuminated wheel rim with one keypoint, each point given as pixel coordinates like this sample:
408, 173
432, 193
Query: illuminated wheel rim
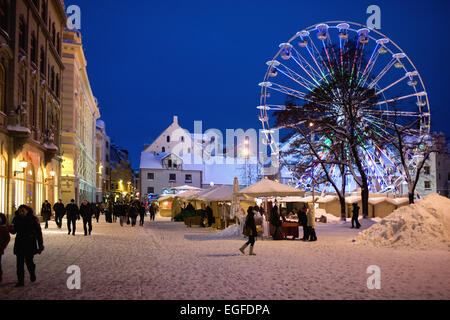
300, 65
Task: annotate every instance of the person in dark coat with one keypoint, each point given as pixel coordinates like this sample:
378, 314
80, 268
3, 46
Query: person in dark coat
152, 211
46, 212
109, 212
121, 212
250, 231
28, 242
275, 221
86, 213
73, 215
97, 211
60, 211
303, 220
4, 240
209, 214
133, 213
141, 214
355, 216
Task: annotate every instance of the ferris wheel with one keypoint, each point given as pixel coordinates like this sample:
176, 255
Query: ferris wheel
301, 65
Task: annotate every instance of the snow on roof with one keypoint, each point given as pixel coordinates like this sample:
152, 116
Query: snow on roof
352, 199
151, 161
189, 194
398, 201
220, 193
327, 198
269, 188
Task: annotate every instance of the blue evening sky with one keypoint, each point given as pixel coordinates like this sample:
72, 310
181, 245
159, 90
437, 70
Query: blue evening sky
202, 60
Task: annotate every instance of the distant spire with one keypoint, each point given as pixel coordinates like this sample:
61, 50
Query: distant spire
175, 119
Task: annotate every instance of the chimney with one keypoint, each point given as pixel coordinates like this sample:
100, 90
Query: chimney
175, 119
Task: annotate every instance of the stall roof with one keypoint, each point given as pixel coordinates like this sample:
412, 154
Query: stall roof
269, 188
187, 195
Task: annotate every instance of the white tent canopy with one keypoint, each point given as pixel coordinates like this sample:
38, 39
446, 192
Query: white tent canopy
186, 187
187, 195
221, 193
269, 188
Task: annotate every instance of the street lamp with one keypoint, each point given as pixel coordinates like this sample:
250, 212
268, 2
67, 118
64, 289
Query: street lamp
52, 176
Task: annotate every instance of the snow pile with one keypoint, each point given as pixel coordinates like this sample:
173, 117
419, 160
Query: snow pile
330, 218
424, 225
232, 232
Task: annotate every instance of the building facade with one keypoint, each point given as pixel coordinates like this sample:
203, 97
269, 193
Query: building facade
80, 113
30, 102
102, 155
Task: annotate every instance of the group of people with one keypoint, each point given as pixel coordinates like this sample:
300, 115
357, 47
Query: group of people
306, 218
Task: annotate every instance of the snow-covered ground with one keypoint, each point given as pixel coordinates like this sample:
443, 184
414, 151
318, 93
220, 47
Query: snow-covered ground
167, 260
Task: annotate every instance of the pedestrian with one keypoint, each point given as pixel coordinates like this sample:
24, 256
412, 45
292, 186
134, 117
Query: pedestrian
355, 216
60, 211
303, 220
46, 212
141, 214
109, 212
73, 215
4, 240
250, 231
311, 225
97, 211
86, 213
115, 211
28, 242
275, 221
152, 211
122, 213
133, 213
209, 214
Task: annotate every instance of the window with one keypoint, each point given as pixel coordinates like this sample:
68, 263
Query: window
53, 34
169, 163
150, 190
163, 149
33, 49
21, 92
41, 116
189, 150
188, 178
58, 43
42, 63
2, 88
150, 176
182, 139
57, 86
426, 170
168, 138
172, 177
52, 79
427, 185
22, 34
4, 15
32, 109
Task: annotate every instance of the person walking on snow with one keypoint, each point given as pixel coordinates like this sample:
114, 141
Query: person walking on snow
46, 212
97, 210
28, 242
60, 211
141, 214
355, 216
73, 215
4, 240
303, 220
86, 214
250, 231
311, 225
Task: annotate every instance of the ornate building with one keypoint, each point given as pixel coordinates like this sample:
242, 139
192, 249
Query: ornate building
80, 113
30, 107
102, 153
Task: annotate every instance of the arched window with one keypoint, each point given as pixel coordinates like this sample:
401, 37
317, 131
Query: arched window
52, 79
41, 116
57, 85
53, 33
22, 34
42, 63
182, 139
2, 184
2, 88
32, 109
33, 49
21, 92
163, 149
168, 138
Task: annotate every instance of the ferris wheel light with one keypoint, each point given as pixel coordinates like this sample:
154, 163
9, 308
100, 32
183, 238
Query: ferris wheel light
399, 55
263, 108
265, 84
382, 41
273, 63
